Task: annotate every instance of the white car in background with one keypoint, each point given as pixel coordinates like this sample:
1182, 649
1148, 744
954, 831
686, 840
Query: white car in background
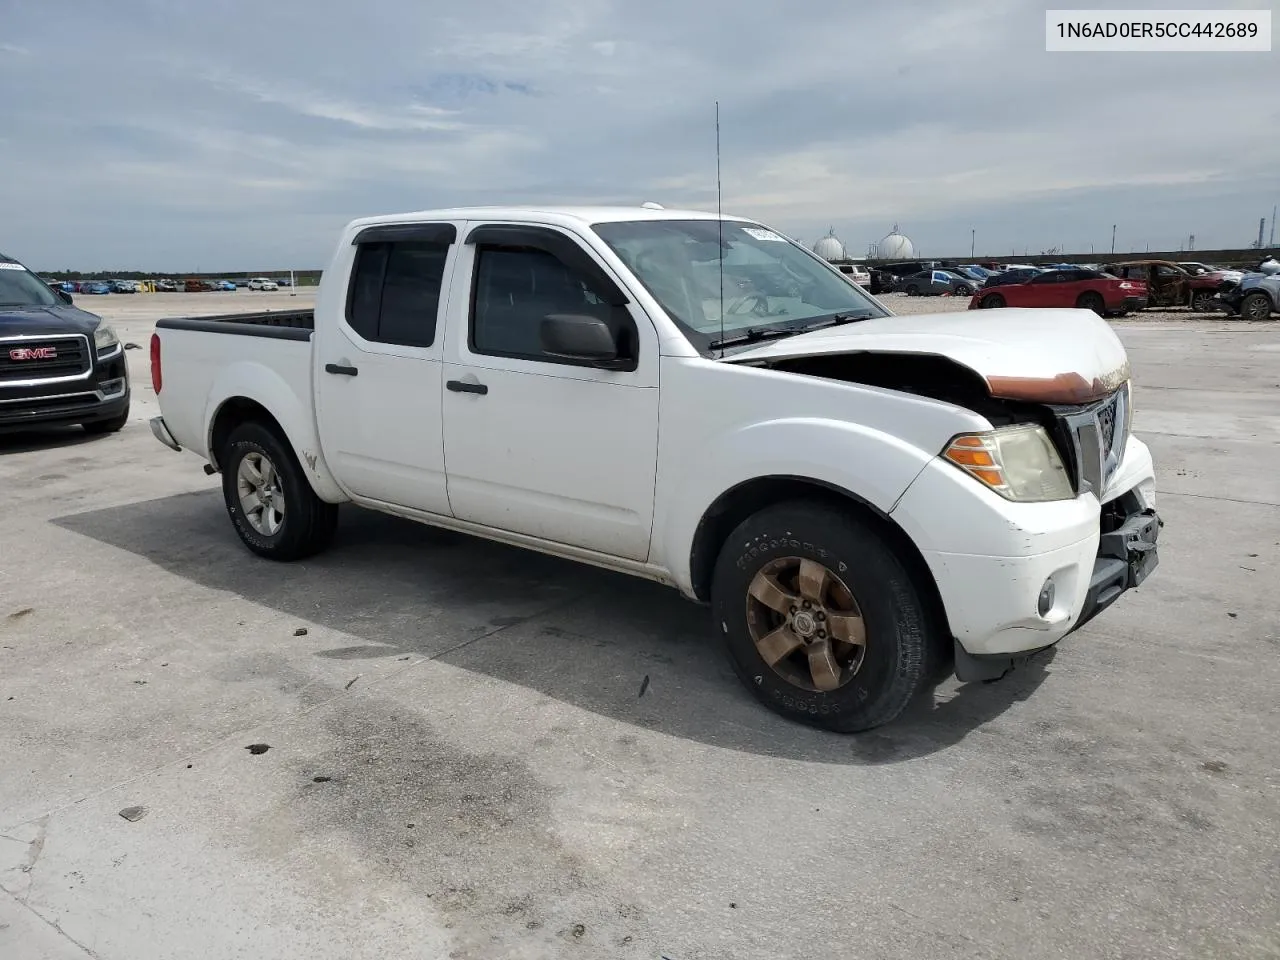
263, 283
857, 272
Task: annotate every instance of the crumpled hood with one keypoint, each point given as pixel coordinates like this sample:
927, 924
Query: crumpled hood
17, 321
1044, 356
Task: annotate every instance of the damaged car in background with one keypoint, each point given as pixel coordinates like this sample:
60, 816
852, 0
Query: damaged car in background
864, 501
1255, 297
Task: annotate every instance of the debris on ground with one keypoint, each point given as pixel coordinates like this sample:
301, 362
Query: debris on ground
258, 748
300, 632
19, 614
1214, 766
133, 814
321, 779
1232, 615
352, 681
132, 346
644, 685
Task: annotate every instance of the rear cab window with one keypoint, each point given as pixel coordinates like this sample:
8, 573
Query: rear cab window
397, 279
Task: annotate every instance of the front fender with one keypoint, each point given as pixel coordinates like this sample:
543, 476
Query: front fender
264, 385
868, 464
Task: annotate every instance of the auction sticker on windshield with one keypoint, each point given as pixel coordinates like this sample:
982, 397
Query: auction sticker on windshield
13, 266
760, 234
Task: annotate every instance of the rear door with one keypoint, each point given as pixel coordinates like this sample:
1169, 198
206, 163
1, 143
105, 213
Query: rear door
536, 444
379, 367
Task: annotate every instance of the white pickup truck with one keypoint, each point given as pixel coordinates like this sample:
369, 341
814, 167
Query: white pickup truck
863, 499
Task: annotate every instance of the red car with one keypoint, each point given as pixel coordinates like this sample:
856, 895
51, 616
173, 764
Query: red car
1083, 289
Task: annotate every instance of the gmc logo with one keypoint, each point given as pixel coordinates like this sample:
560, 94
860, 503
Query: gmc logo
33, 353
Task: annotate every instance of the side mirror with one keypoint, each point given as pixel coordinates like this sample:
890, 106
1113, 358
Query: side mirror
64, 296
577, 337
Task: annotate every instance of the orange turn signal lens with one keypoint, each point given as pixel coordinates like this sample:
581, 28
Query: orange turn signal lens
976, 454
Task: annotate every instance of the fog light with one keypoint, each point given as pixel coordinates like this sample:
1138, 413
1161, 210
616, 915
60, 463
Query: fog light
112, 388
1047, 594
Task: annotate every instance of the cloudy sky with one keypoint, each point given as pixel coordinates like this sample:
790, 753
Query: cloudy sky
227, 135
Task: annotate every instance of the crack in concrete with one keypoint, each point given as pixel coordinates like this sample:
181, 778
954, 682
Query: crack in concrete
56, 925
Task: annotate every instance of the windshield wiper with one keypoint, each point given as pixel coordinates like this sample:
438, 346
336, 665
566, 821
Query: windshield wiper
752, 335
837, 320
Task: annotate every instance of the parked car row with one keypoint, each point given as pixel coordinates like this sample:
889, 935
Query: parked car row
191, 285
1108, 289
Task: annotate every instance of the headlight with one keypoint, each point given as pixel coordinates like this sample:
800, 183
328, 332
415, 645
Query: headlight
105, 339
1019, 463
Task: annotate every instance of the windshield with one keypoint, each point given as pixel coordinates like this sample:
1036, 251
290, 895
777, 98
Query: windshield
771, 285
21, 288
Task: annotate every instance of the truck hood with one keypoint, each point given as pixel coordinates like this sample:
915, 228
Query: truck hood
46, 321
1041, 356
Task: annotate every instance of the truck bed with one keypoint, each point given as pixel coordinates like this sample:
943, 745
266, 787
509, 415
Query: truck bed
276, 324
201, 366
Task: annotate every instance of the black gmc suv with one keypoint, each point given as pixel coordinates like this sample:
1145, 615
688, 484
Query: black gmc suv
58, 364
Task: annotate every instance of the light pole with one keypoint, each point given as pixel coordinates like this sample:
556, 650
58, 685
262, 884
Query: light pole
973, 233
1113, 238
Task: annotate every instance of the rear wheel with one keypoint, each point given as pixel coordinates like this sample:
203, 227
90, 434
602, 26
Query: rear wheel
992, 301
1255, 306
822, 621
912, 290
1091, 301
269, 499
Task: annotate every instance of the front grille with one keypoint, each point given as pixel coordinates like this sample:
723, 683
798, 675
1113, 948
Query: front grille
1107, 424
43, 358
1098, 434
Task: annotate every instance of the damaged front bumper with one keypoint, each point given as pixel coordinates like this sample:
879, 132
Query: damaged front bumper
1127, 553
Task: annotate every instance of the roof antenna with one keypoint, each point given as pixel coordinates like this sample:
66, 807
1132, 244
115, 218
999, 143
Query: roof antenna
720, 226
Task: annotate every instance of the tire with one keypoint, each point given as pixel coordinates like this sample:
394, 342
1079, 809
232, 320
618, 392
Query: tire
1255, 306
912, 291
114, 425
964, 291
294, 523
1202, 301
863, 577
993, 301
1091, 301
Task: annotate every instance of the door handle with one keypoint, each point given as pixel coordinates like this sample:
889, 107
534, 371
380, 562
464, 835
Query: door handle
340, 369
462, 386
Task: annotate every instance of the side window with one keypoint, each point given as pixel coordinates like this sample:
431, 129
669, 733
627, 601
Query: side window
516, 287
395, 292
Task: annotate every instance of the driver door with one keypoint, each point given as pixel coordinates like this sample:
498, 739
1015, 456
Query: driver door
536, 444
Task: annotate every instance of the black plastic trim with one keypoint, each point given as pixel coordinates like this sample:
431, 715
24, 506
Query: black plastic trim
445, 234
238, 324
561, 246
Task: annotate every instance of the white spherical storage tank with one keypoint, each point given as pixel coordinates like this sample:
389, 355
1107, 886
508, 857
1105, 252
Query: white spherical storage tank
830, 247
895, 246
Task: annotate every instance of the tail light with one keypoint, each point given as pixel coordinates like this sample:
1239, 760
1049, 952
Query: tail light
156, 378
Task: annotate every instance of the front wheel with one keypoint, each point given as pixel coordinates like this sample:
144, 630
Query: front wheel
269, 499
823, 622
1203, 301
964, 291
992, 301
114, 425
1255, 306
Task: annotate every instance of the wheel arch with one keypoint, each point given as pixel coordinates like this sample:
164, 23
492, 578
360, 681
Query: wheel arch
749, 497
238, 408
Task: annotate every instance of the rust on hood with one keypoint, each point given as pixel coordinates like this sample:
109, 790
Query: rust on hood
1064, 388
